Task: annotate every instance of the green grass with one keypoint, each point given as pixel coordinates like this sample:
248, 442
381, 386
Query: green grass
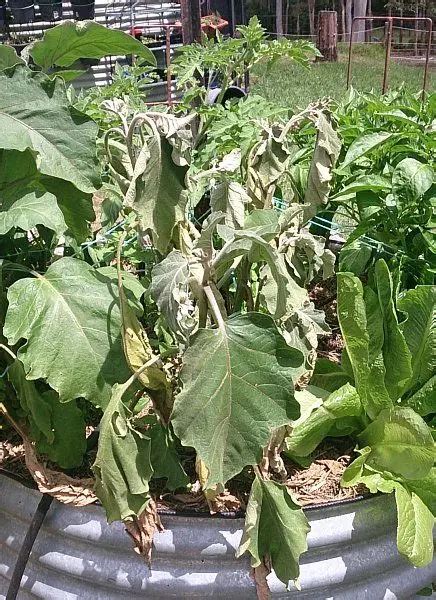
294, 86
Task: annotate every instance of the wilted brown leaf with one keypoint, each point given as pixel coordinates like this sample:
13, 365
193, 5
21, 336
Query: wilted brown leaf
259, 575
141, 529
67, 490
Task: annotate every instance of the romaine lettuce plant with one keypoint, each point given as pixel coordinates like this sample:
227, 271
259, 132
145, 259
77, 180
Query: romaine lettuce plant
388, 400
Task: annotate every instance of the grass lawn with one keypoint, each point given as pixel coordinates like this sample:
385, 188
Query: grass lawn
294, 86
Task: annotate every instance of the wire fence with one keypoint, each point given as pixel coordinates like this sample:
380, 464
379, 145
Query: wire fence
407, 42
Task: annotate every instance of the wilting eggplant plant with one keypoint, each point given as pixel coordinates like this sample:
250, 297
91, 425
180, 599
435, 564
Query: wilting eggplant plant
211, 345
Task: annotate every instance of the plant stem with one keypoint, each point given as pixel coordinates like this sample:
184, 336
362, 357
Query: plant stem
9, 351
214, 306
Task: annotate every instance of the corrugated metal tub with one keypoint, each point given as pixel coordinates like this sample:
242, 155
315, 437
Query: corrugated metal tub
352, 555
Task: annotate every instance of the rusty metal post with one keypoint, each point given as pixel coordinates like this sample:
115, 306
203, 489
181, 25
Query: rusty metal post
168, 65
387, 54
390, 20
191, 21
427, 54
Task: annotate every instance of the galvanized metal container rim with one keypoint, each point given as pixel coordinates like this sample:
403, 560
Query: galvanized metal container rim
352, 555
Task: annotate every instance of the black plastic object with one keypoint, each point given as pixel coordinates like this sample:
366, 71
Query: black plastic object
232, 92
50, 10
83, 9
23, 11
26, 548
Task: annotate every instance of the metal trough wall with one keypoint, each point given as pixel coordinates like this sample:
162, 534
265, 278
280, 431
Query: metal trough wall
352, 555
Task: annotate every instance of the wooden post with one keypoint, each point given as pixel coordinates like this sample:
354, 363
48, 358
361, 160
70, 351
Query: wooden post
328, 35
191, 21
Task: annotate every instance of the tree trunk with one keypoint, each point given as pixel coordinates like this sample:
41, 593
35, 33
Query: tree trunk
191, 21
359, 26
279, 18
286, 24
343, 26
328, 35
349, 14
369, 23
311, 7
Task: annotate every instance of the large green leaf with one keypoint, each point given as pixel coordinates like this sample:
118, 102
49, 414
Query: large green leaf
24, 202
58, 429
157, 191
27, 207
363, 145
64, 44
396, 355
411, 179
365, 358
354, 257
329, 375
76, 206
71, 321
327, 148
36, 406
415, 527
415, 507
425, 488
165, 459
8, 57
122, 466
400, 442
275, 529
69, 444
342, 410
419, 330
365, 182
237, 388
35, 114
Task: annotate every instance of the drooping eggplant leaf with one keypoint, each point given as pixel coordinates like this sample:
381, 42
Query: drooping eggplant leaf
122, 466
275, 529
237, 388
327, 148
71, 322
157, 190
35, 114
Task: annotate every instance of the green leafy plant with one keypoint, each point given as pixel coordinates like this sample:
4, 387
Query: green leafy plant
388, 403
385, 183
224, 61
61, 49
184, 330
